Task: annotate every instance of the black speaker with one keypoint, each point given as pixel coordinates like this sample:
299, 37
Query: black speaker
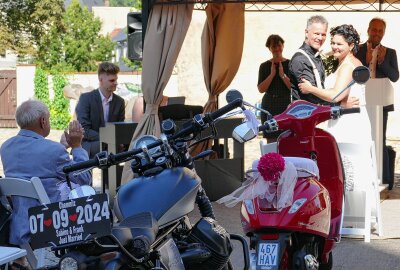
135, 43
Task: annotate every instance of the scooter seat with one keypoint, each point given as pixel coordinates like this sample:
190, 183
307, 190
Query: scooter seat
304, 166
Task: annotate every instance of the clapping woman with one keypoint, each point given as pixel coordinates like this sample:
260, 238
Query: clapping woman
273, 81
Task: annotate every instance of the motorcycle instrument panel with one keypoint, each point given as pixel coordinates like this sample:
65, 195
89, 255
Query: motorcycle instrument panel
302, 111
145, 141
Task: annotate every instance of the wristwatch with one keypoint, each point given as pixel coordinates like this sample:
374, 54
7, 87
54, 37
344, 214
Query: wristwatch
284, 76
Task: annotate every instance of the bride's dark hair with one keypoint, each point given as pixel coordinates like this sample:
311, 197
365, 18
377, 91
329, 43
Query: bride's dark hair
349, 33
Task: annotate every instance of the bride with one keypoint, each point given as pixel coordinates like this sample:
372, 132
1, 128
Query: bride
351, 128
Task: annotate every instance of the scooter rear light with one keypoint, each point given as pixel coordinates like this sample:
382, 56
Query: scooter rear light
274, 236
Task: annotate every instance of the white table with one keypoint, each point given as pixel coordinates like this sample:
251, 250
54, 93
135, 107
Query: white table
8, 254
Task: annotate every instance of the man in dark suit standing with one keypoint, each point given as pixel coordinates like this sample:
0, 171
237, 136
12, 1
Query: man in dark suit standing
99, 106
382, 62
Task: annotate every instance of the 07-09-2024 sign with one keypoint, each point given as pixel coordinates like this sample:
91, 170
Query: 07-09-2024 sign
69, 221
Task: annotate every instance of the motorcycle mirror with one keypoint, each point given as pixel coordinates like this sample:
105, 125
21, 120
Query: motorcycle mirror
82, 191
243, 133
360, 75
232, 95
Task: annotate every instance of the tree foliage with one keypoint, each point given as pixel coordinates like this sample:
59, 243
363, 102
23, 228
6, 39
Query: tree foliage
126, 3
6, 38
136, 65
77, 45
58, 39
24, 22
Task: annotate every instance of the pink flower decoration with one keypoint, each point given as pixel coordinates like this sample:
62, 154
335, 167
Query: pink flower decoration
271, 166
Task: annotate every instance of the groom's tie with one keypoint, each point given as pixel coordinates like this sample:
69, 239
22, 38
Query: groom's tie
372, 64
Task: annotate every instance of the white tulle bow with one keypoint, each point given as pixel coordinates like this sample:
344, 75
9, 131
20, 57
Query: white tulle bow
278, 195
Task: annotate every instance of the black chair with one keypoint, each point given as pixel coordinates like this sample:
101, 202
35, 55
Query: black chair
176, 100
30, 189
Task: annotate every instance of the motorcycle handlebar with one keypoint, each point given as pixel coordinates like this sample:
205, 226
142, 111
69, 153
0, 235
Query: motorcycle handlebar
81, 165
227, 108
272, 125
263, 127
349, 110
117, 158
193, 127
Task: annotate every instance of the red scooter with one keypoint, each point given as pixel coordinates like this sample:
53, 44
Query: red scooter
302, 235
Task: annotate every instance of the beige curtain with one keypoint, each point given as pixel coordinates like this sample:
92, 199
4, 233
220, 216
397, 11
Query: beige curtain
221, 48
167, 27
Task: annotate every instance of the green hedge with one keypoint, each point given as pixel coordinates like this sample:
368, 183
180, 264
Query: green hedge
42, 86
59, 106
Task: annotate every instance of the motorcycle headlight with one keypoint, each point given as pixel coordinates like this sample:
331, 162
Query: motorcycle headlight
72, 261
69, 263
140, 246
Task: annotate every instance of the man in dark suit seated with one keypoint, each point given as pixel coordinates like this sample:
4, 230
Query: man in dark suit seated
382, 62
96, 108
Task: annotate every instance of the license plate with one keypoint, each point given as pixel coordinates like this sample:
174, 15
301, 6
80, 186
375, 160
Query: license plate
267, 255
69, 221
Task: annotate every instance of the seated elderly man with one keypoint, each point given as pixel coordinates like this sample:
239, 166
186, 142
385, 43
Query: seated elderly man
29, 154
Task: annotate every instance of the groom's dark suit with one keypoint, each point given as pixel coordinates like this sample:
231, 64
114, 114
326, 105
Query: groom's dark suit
387, 69
89, 111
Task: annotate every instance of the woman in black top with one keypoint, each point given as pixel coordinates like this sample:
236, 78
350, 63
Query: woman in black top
274, 82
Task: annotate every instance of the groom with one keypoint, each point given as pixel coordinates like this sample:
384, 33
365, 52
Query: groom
307, 64
382, 62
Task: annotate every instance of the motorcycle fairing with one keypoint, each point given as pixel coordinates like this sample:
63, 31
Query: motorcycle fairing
168, 195
312, 217
329, 164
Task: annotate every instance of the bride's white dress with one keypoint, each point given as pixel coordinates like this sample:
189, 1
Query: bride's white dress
353, 134
355, 127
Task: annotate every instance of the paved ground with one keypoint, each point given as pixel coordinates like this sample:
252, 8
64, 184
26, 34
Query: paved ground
349, 254
381, 253
352, 253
